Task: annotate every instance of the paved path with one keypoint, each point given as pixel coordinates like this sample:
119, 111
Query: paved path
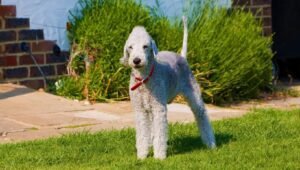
26, 114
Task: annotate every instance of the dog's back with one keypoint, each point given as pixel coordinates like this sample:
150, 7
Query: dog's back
175, 71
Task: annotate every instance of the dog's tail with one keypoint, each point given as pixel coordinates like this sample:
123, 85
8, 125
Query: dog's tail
185, 37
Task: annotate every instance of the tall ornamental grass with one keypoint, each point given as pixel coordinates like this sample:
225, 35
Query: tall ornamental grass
227, 52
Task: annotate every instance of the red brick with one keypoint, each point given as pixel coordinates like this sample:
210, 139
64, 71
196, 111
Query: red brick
1, 74
61, 69
44, 46
47, 70
1, 23
267, 22
267, 31
267, 11
256, 11
27, 60
6, 36
65, 54
32, 34
8, 11
13, 48
8, 61
2, 49
16, 23
35, 84
15, 73
261, 2
241, 2
50, 58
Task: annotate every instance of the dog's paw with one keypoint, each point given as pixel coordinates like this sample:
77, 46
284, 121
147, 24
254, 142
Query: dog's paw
212, 145
161, 155
142, 157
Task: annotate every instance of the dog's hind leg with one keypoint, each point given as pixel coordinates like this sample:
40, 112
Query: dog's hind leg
192, 94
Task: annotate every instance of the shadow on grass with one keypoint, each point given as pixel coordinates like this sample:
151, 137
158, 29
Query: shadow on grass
186, 144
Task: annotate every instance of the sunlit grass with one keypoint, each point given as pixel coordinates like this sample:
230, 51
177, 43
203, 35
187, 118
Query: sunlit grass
263, 139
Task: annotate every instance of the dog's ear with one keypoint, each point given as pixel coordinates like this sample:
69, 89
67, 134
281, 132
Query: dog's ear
154, 48
124, 59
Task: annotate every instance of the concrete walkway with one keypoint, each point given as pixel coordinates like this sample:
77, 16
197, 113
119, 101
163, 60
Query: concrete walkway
26, 114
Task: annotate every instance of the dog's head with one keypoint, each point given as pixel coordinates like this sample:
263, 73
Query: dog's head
139, 49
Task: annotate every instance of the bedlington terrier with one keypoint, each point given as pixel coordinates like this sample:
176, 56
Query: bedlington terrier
156, 79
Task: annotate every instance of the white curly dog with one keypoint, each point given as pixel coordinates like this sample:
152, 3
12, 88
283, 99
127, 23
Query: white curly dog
156, 78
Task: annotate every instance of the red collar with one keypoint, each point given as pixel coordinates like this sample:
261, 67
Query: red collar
140, 81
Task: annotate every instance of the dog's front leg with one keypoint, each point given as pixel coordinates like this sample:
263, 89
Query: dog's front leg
143, 133
160, 130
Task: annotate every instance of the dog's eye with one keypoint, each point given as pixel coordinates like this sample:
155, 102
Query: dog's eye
130, 47
145, 46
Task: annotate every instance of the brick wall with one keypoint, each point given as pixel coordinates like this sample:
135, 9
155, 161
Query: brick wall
262, 9
17, 66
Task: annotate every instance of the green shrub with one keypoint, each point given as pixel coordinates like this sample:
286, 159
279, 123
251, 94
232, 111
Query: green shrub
103, 28
70, 87
227, 53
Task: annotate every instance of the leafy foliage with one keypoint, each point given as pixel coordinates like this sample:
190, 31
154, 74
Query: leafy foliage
227, 53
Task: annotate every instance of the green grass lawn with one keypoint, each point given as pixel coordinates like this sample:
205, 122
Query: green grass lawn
263, 139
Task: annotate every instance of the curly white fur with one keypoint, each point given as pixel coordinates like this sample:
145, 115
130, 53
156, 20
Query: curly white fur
171, 76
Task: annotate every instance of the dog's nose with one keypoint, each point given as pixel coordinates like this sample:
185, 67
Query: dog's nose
136, 61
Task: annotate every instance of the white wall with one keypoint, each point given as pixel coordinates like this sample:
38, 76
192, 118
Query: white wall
173, 8
52, 15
